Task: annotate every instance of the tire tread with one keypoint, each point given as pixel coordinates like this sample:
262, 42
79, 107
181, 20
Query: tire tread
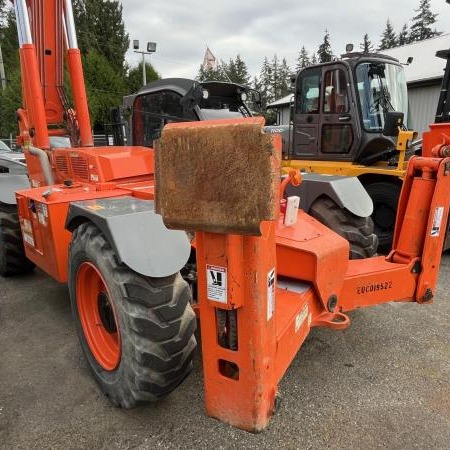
160, 326
12, 252
357, 230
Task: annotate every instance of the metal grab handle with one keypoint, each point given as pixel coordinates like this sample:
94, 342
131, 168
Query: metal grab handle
344, 118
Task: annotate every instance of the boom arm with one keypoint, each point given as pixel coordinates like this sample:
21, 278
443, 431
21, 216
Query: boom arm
42, 38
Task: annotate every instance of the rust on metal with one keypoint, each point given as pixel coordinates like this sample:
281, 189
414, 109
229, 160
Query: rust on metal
219, 176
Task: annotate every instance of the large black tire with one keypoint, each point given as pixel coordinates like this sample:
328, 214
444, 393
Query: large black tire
152, 317
357, 230
12, 253
385, 197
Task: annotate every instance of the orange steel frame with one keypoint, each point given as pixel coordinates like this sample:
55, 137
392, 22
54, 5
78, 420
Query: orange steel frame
314, 285
280, 285
106, 171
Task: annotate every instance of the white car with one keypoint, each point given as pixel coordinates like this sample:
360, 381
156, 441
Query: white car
4, 147
7, 153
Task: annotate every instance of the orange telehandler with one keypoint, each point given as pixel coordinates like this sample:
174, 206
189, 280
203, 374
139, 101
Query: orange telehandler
265, 278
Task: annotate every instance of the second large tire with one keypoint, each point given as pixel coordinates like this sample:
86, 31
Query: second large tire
136, 332
357, 230
12, 253
385, 201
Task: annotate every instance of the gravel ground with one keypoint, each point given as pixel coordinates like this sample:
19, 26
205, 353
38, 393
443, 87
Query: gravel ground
384, 382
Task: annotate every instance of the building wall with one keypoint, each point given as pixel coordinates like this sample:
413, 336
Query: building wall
283, 115
423, 102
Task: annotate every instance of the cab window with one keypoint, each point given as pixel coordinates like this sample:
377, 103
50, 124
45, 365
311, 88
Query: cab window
308, 92
335, 93
154, 110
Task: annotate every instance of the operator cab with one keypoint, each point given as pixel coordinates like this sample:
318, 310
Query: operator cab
183, 100
340, 109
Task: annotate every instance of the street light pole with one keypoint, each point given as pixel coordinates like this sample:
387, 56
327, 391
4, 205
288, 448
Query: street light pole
144, 72
151, 48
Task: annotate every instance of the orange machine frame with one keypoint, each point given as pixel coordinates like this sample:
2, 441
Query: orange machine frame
278, 286
241, 383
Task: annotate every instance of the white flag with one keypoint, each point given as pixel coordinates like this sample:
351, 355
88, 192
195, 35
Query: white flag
209, 61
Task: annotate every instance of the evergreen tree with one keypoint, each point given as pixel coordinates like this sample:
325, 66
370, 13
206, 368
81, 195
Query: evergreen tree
265, 84
3, 11
302, 60
388, 37
10, 98
9, 41
324, 52
10, 101
134, 76
236, 71
211, 74
100, 27
366, 45
403, 36
103, 42
422, 23
284, 79
313, 59
104, 85
255, 84
275, 78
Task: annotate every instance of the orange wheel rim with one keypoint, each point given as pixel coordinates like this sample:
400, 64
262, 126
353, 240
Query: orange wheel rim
97, 316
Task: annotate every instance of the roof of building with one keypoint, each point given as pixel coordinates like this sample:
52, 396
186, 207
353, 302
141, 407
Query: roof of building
282, 101
425, 65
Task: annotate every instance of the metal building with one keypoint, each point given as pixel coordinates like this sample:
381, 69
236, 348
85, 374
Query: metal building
282, 107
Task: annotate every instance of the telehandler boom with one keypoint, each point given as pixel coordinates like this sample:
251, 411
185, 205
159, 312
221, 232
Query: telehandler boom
265, 277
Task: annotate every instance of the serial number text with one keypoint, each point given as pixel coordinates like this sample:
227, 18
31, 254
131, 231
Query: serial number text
374, 287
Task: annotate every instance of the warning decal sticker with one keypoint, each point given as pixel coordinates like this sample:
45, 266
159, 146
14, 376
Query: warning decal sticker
437, 221
301, 316
270, 294
27, 231
216, 283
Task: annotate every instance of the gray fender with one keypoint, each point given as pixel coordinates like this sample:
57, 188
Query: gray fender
137, 234
9, 184
346, 192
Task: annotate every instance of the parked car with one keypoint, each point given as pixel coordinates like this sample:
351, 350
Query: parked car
7, 154
4, 147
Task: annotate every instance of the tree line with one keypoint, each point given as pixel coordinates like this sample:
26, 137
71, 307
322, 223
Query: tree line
103, 42
274, 78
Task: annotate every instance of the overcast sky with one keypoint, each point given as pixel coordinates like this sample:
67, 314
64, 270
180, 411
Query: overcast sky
183, 28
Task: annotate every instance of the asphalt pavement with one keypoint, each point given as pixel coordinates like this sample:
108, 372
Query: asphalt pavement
382, 383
